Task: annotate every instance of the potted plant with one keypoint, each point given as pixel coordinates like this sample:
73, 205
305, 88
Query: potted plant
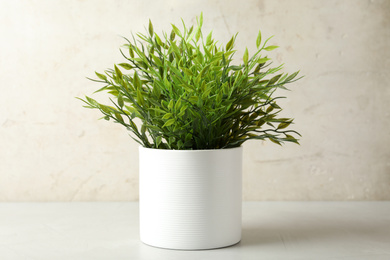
191, 109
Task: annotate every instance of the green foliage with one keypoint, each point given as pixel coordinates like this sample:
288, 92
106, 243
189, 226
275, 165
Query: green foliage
188, 95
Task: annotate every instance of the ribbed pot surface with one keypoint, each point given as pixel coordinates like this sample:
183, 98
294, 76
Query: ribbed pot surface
190, 199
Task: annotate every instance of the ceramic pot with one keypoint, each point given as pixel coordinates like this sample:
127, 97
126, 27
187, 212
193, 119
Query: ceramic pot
190, 199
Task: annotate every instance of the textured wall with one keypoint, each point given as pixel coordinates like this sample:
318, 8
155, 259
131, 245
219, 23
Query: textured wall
53, 149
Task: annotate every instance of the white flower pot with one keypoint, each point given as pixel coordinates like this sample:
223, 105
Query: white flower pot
190, 199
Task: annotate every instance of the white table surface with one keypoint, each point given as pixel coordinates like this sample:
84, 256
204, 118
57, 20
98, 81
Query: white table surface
271, 230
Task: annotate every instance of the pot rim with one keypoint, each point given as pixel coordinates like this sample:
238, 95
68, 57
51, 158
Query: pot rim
190, 151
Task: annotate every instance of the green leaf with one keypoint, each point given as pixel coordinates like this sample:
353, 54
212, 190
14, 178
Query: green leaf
118, 72
292, 76
158, 141
283, 77
101, 76
290, 138
198, 34
188, 137
140, 99
191, 36
260, 122
201, 19
269, 109
119, 117
229, 45
92, 101
170, 105
171, 140
274, 79
176, 30
209, 39
158, 40
136, 81
167, 116
180, 144
103, 88
274, 140
204, 70
262, 60
178, 104
258, 40
193, 99
219, 97
143, 129
156, 60
120, 101
131, 110
223, 59
234, 67
131, 52
169, 122
206, 93
182, 111
274, 105
245, 58
150, 28
107, 109
142, 37
126, 66
271, 47
187, 71
172, 36
284, 125
152, 127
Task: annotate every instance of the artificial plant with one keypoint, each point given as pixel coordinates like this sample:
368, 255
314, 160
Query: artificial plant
181, 91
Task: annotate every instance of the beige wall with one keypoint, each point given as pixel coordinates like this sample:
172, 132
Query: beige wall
53, 149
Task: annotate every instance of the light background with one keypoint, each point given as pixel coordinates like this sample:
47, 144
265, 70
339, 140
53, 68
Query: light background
52, 149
